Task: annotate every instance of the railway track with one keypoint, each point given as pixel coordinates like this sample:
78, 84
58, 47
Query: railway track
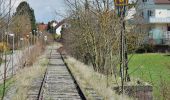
58, 82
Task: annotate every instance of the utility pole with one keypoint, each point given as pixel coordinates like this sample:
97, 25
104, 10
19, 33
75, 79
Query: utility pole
13, 47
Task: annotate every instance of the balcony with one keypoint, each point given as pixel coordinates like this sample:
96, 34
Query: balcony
166, 38
166, 35
162, 1
159, 20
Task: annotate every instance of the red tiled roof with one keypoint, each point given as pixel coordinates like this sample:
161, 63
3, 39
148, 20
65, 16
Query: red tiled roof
42, 27
162, 1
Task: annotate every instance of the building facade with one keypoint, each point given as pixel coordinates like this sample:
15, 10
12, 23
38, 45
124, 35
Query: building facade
42, 27
156, 14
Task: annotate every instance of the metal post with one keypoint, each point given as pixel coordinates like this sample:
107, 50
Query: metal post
37, 35
121, 7
34, 36
31, 38
13, 47
122, 56
28, 36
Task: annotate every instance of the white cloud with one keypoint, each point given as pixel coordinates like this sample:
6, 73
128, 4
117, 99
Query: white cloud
45, 9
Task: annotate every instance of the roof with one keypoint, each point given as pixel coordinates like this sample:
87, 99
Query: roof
162, 1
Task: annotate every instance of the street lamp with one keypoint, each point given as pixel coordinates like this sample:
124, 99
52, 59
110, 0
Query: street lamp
34, 35
37, 35
45, 39
21, 42
31, 37
13, 44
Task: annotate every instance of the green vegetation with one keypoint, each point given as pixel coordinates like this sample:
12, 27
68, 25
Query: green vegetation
25, 9
9, 52
56, 36
153, 68
27, 75
87, 79
8, 84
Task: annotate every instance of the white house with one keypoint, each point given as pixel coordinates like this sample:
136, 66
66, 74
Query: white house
156, 13
58, 30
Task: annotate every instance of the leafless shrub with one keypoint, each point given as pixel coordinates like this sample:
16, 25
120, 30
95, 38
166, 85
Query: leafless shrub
31, 53
94, 34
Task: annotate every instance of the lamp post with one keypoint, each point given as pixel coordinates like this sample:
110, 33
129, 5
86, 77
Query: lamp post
37, 35
31, 37
45, 39
28, 36
21, 42
34, 35
121, 7
13, 47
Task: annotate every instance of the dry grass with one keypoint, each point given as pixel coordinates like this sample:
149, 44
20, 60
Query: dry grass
25, 77
30, 55
97, 81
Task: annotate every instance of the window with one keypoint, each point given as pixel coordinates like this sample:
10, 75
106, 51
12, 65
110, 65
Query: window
168, 28
150, 13
144, 0
168, 12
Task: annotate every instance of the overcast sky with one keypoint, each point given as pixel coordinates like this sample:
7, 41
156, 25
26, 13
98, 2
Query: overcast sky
45, 9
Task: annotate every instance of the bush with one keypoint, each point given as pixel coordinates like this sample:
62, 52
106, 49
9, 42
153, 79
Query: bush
56, 36
145, 49
3, 47
31, 54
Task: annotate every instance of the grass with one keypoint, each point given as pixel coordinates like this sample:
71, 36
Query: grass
27, 75
9, 82
151, 67
24, 76
24, 81
87, 77
1, 61
8, 52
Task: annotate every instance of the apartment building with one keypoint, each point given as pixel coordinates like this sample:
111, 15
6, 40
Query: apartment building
156, 14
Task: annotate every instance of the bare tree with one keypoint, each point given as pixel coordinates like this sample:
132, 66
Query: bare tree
95, 36
21, 26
